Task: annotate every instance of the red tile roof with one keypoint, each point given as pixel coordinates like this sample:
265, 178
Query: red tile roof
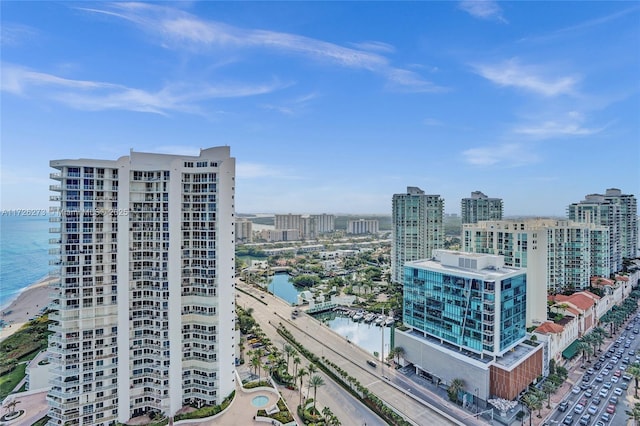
549, 327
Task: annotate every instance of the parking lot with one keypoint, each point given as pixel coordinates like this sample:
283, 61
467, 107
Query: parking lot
602, 396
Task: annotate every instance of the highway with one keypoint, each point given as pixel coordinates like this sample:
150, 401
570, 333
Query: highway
416, 405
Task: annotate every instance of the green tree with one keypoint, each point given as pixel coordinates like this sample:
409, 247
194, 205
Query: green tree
301, 373
634, 413
455, 387
531, 401
315, 382
634, 371
289, 351
548, 388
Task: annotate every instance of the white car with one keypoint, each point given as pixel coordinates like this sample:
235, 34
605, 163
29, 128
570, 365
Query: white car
575, 390
618, 391
614, 379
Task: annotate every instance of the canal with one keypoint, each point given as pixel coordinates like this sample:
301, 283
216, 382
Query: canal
281, 286
368, 336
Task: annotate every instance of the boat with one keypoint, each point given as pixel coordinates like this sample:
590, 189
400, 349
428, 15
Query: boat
380, 319
369, 317
358, 316
389, 321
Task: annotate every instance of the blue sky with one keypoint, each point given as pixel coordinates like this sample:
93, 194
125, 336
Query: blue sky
331, 106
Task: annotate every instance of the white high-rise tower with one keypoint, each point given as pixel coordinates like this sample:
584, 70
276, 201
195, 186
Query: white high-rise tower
145, 300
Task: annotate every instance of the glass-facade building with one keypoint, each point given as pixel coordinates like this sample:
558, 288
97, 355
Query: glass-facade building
469, 300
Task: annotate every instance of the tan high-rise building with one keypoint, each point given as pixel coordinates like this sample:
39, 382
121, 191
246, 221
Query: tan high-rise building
418, 228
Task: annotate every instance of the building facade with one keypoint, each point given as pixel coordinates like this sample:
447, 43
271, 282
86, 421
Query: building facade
469, 300
558, 254
480, 207
146, 255
244, 230
619, 213
417, 227
363, 226
466, 315
324, 223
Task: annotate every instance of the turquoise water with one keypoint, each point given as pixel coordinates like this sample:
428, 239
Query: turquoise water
24, 253
368, 336
260, 401
282, 287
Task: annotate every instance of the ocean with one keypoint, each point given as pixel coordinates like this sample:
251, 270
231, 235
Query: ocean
24, 253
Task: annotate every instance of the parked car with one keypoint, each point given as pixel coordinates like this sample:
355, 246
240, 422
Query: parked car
563, 406
568, 420
584, 420
611, 409
578, 409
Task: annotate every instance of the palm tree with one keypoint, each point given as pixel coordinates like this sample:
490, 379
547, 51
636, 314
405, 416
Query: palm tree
301, 373
326, 412
289, 351
296, 362
589, 340
584, 348
255, 363
399, 354
315, 381
548, 388
634, 371
530, 400
634, 413
599, 334
454, 388
312, 369
10, 408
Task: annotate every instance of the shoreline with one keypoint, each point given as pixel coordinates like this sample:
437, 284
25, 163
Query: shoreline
27, 304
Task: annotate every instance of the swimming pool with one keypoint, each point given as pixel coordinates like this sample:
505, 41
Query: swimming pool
260, 401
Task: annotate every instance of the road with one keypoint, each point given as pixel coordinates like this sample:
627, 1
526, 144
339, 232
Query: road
605, 366
416, 405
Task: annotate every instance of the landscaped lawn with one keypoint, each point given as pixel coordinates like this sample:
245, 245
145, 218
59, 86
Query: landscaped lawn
10, 380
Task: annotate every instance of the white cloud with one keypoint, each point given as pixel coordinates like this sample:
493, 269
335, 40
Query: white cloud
505, 155
14, 35
530, 78
374, 46
570, 124
292, 106
181, 30
97, 96
483, 9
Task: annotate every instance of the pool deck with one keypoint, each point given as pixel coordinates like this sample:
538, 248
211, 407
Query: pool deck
242, 411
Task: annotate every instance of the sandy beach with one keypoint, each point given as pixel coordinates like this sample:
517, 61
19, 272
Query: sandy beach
27, 305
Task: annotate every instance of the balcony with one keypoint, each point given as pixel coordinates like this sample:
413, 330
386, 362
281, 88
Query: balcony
55, 188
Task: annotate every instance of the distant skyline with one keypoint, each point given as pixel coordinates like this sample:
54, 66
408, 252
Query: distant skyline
331, 107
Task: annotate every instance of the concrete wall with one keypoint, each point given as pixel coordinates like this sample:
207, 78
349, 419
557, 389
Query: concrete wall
445, 364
